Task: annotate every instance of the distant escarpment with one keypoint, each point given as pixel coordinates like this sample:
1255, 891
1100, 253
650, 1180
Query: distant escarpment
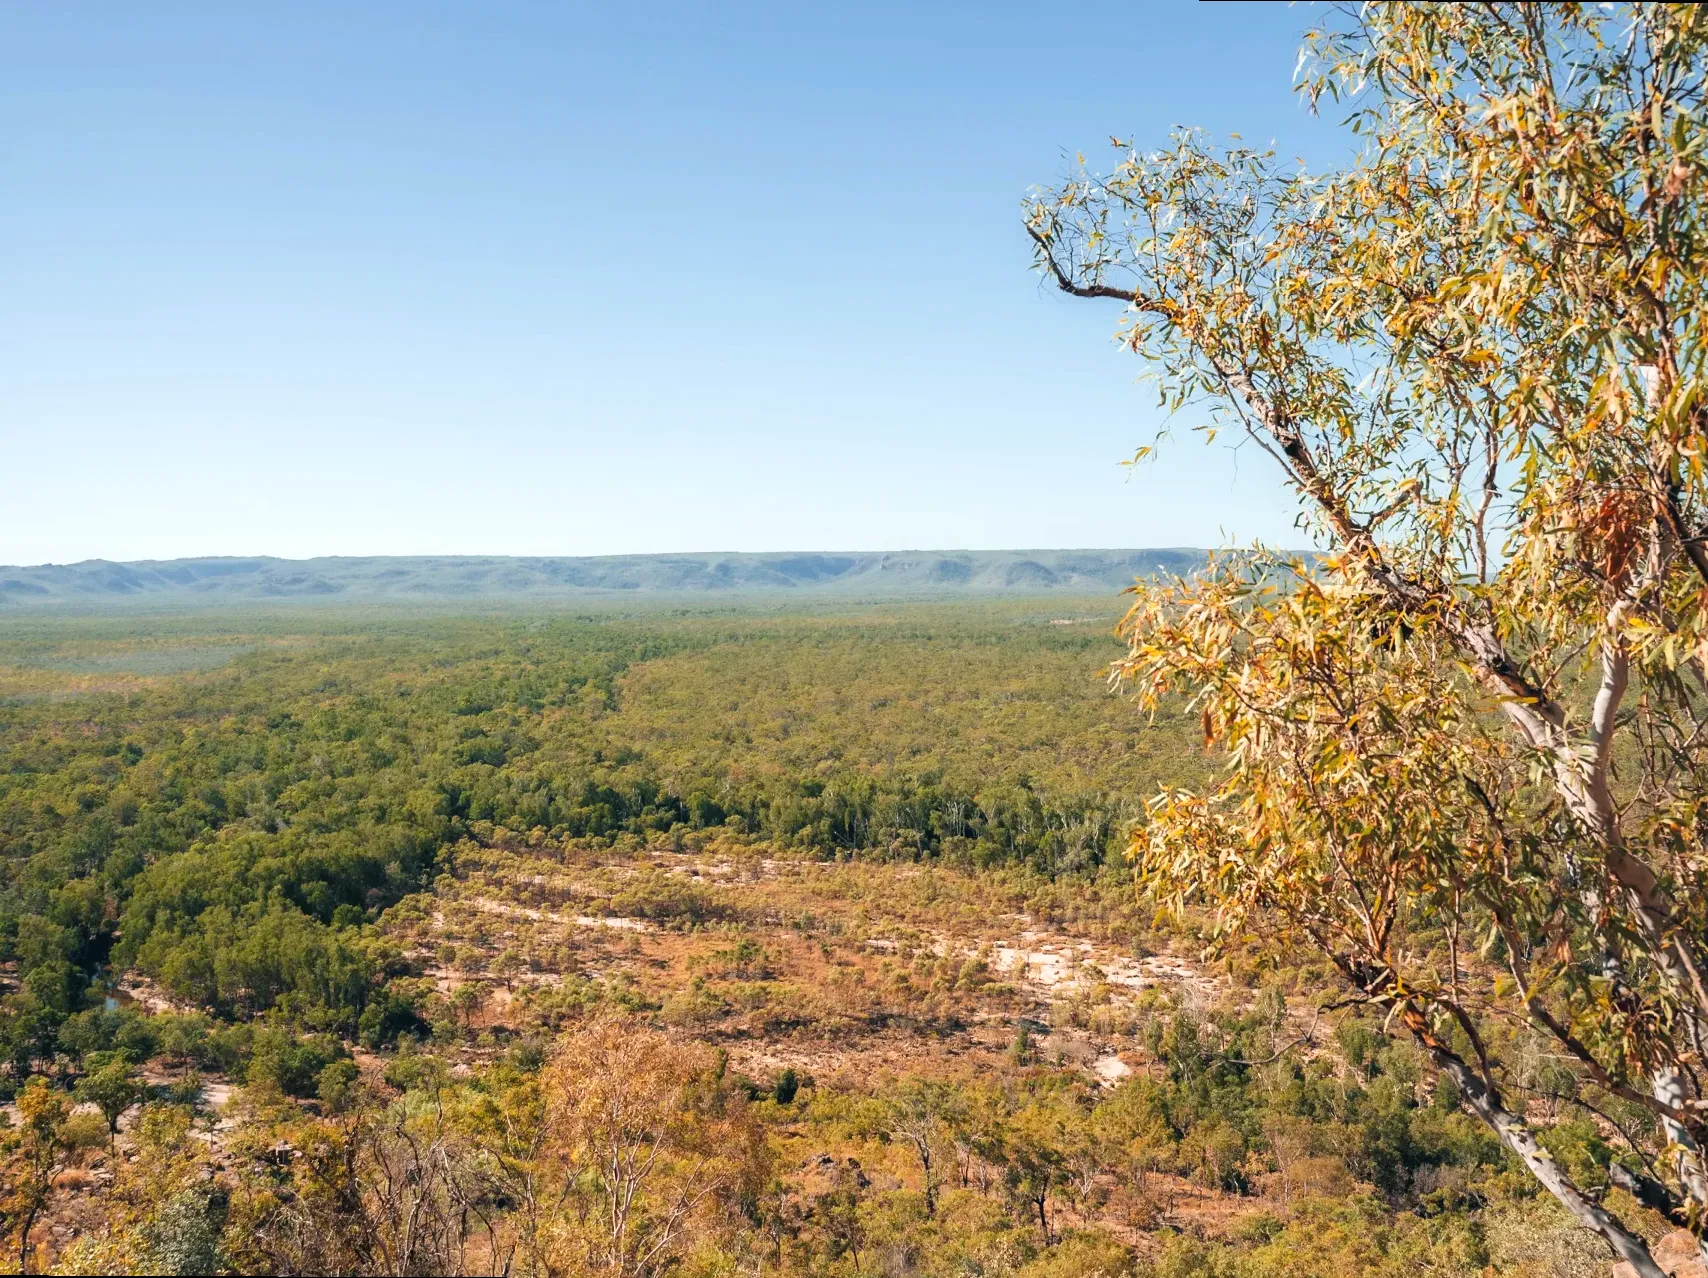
368, 578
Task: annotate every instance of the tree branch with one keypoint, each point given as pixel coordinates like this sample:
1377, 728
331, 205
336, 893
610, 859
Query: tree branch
1515, 1134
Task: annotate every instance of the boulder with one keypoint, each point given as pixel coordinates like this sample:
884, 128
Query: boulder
1679, 1254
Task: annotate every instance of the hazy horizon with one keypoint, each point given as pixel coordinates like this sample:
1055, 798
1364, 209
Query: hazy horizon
618, 554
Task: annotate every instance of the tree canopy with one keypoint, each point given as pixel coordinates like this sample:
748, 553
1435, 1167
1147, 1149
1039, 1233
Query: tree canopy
1466, 742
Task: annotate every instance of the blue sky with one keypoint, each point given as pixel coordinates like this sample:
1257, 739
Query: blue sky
509, 278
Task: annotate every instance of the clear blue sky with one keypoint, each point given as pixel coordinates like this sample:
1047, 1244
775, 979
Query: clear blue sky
363, 278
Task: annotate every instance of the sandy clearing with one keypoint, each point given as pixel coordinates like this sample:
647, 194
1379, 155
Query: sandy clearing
488, 906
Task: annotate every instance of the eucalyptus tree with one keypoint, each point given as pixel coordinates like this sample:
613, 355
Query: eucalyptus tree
1468, 742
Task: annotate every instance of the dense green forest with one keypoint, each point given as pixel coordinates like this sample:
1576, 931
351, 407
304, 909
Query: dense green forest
228, 830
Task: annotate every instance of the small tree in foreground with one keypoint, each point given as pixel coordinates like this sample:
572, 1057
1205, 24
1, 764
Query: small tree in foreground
112, 1090
654, 1151
1467, 744
28, 1156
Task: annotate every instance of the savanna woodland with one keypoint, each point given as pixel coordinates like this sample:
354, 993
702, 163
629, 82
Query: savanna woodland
1328, 914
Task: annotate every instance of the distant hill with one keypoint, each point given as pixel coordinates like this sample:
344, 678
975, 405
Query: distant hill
372, 578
